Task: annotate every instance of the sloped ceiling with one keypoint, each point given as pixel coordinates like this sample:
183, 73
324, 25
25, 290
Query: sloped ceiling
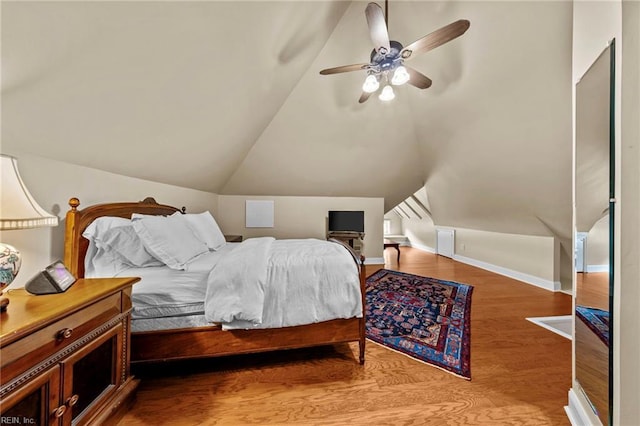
226, 97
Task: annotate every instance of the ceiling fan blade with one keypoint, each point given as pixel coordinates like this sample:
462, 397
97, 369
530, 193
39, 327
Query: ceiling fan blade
344, 68
364, 97
417, 79
436, 38
377, 27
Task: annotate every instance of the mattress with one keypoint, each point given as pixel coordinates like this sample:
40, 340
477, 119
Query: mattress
168, 323
165, 292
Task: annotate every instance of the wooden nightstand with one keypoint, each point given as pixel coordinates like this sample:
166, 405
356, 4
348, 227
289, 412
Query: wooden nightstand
65, 357
233, 238
353, 238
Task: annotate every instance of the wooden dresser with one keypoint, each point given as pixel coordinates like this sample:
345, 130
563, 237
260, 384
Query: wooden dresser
64, 358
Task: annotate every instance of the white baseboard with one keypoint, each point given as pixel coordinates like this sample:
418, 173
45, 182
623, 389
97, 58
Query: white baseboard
421, 247
577, 411
597, 268
520, 276
374, 261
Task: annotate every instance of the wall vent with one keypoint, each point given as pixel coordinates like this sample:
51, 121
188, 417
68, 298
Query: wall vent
445, 242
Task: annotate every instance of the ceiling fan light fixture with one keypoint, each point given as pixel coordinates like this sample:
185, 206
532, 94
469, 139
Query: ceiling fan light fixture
386, 60
387, 94
400, 76
371, 84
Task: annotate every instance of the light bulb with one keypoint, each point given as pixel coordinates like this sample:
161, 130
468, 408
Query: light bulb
400, 76
370, 84
387, 94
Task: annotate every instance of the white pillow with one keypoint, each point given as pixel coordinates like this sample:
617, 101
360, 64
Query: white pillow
136, 216
98, 227
100, 260
204, 227
101, 263
124, 241
169, 239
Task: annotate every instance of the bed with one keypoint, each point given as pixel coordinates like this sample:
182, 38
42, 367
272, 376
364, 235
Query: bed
187, 335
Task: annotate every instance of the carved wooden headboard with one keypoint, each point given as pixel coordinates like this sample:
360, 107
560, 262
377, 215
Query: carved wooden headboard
75, 245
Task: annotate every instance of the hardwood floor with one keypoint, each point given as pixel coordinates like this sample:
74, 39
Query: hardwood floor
521, 372
592, 290
592, 355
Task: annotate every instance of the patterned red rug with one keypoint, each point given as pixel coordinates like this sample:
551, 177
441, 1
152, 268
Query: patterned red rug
597, 320
422, 317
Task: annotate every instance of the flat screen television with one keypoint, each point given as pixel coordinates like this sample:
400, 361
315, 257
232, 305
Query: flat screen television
346, 221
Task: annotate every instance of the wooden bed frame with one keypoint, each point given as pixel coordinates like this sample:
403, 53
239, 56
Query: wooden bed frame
209, 341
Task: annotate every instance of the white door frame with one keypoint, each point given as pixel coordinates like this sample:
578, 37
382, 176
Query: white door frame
581, 251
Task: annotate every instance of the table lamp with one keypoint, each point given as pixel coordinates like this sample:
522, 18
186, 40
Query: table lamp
18, 210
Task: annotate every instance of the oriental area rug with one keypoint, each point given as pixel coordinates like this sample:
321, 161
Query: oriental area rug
424, 318
597, 320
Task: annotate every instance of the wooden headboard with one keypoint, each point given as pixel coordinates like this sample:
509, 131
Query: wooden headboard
75, 245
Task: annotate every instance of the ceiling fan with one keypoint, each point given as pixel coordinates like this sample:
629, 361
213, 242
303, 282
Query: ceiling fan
387, 66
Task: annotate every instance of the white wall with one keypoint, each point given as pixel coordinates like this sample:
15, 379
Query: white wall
304, 217
532, 259
597, 255
396, 223
524, 254
53, 183
421, 233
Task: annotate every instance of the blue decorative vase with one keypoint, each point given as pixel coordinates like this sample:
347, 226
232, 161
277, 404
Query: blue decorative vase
10, 262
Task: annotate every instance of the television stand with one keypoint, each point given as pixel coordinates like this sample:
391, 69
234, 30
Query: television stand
353, 238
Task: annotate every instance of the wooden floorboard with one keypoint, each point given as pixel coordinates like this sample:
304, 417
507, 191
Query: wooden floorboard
521, 372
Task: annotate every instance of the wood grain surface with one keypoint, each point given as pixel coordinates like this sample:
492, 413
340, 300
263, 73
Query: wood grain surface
521, 372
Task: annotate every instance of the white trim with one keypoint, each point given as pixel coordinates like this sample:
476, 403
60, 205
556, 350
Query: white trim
421, 247
597, 268
374, 261
520, 276
386, 225
577, 412
581, 251
547, 322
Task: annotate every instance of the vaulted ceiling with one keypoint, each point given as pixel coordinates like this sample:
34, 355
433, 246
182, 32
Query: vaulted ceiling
226, 97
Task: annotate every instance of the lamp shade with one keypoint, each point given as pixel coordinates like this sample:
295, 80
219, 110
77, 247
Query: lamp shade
371, 84
400, 76
386, 94
18, 209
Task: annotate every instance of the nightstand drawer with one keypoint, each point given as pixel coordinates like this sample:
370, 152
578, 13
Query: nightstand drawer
40, 344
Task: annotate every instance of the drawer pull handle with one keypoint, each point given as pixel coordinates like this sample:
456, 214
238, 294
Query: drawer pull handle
65, 333
59, 412
72, 401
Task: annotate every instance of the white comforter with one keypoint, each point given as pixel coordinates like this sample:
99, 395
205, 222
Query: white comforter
268, 283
